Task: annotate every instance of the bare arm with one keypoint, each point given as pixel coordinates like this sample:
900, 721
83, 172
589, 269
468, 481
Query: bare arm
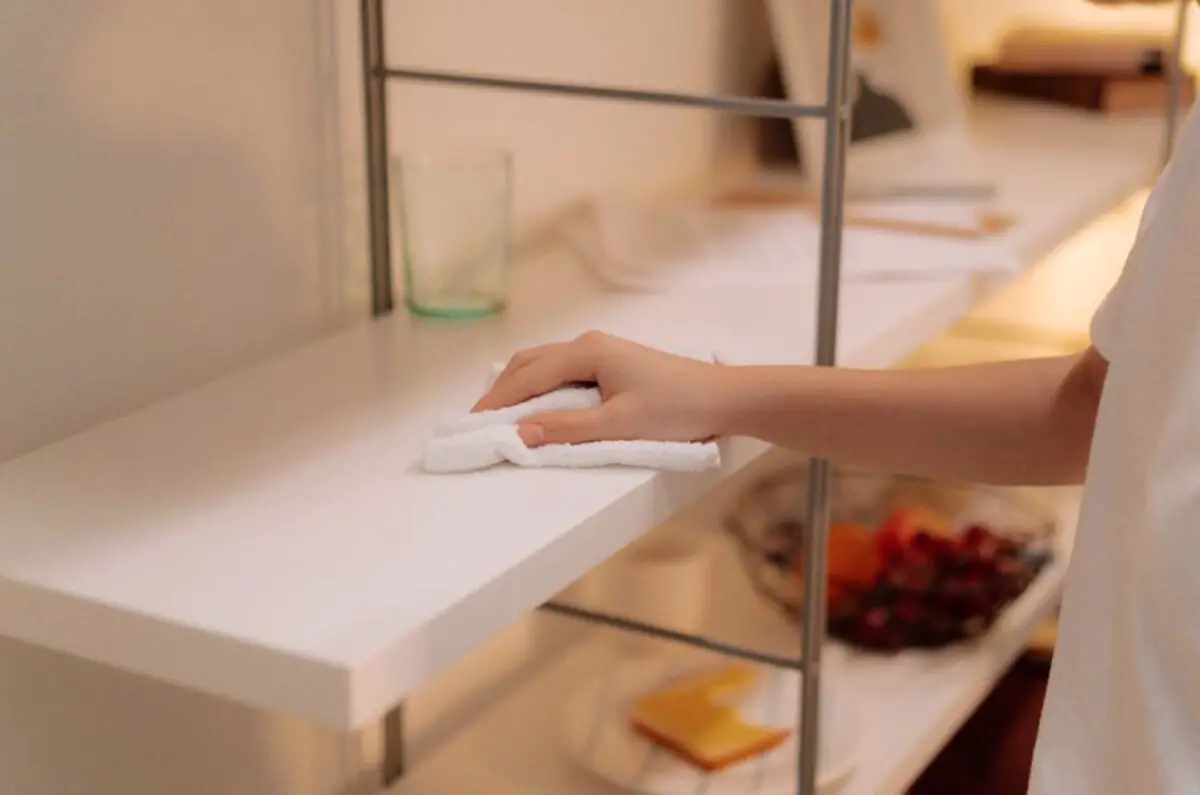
1024, 422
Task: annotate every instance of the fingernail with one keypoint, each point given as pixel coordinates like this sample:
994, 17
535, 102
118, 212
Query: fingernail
532, 435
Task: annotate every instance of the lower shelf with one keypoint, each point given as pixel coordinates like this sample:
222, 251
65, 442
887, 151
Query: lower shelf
911, 704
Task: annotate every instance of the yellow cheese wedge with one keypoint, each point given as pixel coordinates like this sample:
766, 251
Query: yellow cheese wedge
697, 719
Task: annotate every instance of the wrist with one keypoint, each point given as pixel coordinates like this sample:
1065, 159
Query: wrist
734, 394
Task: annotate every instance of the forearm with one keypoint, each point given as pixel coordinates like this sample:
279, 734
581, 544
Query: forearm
1025, 422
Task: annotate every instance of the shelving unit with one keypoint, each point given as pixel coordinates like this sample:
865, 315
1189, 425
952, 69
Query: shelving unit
835, 112
268, 537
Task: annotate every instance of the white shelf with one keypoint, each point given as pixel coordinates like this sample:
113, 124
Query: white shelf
270, 537
911, 704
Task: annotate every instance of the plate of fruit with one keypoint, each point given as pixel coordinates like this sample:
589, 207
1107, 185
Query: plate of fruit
911, 563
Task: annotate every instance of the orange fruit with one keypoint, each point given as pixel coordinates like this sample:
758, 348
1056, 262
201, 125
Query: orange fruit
854, 559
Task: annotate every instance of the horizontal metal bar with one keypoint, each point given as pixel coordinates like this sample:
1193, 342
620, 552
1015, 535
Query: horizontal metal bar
746, 106
671, 635
965, 191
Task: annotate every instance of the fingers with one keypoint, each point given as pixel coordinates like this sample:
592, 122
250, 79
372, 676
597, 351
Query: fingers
538, 371
501, 386
600, 424
524, 357
544, 374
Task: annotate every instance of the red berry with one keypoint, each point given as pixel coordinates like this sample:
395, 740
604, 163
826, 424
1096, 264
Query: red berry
921, 542
890, 641
896, 578
890, 546
987, 549
920, 578
985, 607
976, 574
943, 549
876, 619
975, 535
909, 609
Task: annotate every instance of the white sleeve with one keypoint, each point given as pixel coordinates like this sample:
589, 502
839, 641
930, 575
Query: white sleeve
1107, 321
1177, 186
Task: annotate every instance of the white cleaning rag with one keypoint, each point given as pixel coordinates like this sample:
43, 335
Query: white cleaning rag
478, 441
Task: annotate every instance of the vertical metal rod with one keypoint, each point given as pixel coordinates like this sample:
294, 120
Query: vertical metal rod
375, 112
833, 193
1175, 81
375, 124
393, 746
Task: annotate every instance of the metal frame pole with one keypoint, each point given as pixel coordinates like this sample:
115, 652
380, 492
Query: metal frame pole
394, 763
833, 194
374, 64
375, 124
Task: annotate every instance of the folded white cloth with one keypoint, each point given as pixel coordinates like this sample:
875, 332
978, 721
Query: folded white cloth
478, 441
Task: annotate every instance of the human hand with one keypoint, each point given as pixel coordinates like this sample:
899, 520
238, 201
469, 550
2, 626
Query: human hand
647, 394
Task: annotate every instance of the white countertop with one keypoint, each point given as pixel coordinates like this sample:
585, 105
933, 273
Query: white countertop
270, 537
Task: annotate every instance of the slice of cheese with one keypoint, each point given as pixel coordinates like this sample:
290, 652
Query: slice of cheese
697, 719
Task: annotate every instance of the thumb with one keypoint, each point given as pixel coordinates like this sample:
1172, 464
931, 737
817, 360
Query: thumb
570, 427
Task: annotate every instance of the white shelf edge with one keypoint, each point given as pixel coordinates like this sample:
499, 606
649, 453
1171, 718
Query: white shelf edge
552, 569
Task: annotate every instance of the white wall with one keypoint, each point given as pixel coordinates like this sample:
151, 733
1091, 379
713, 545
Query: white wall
164, 199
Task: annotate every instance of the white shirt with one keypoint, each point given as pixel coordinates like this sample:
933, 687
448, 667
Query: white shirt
1122, 715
